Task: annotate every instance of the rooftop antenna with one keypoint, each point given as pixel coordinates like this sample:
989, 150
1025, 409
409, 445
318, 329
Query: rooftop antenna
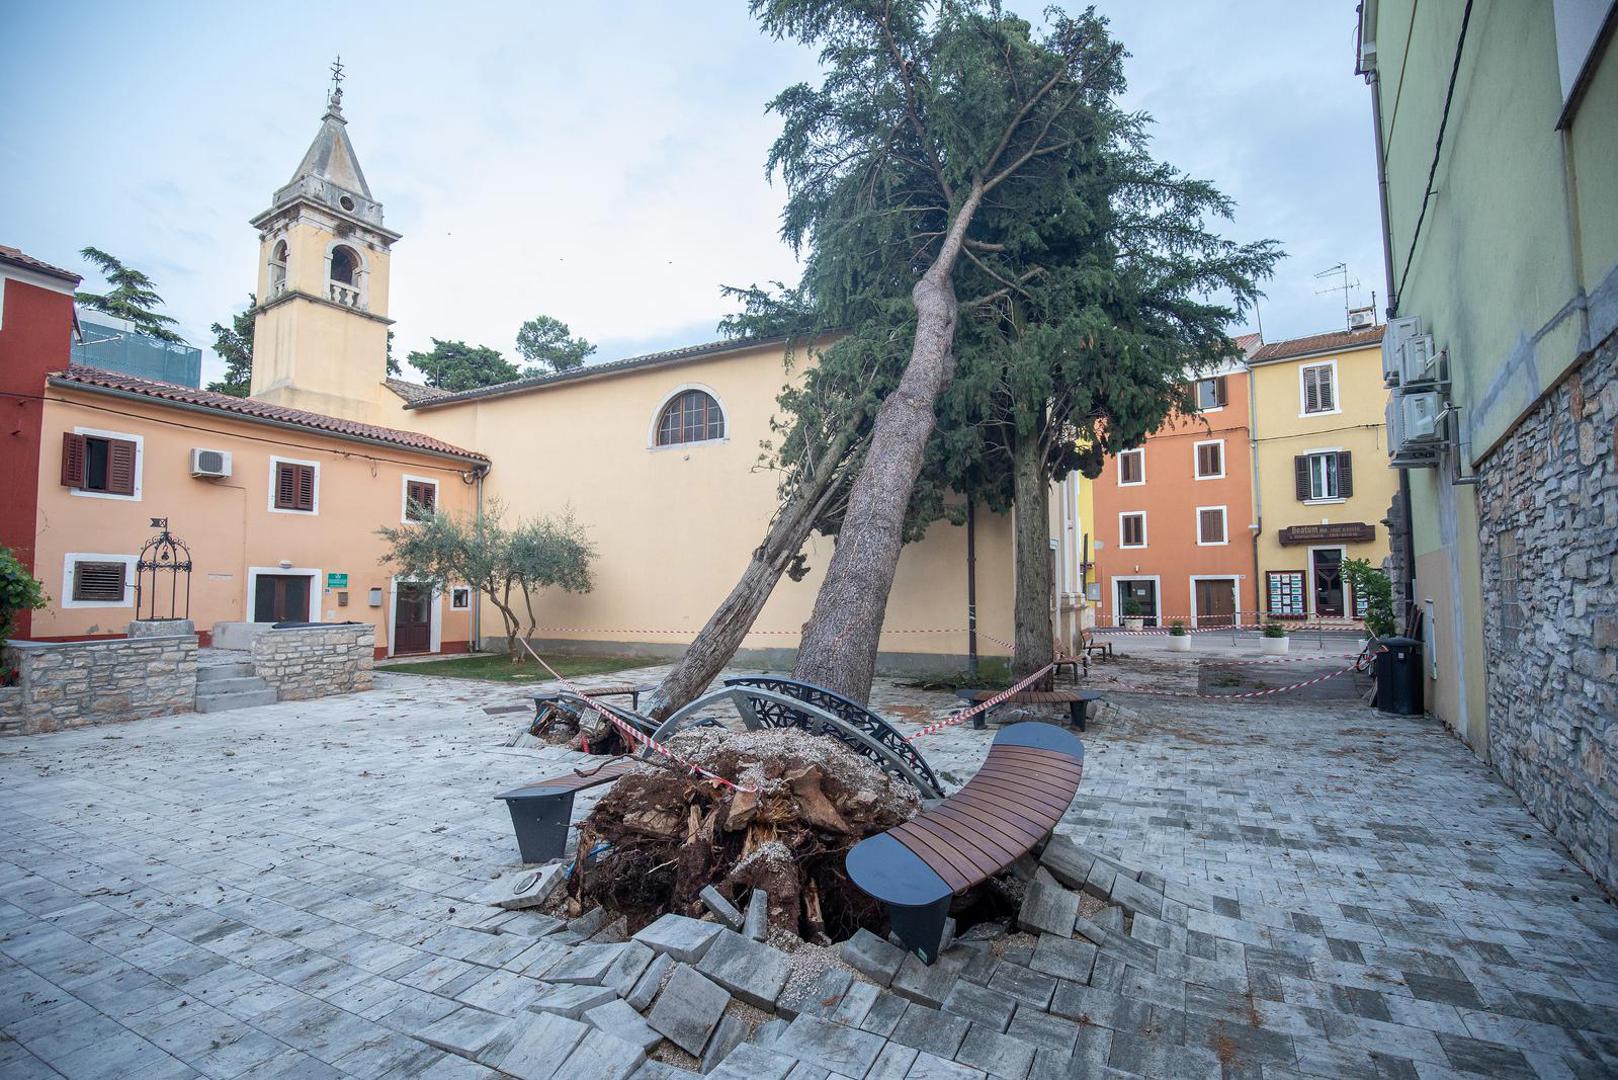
1341, 269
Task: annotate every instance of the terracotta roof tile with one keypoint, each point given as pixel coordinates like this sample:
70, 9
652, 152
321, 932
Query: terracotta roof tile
252, 409
1319, 343
413, 392
28, 262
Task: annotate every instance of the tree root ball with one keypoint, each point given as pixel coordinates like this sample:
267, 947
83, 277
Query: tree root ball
670, 835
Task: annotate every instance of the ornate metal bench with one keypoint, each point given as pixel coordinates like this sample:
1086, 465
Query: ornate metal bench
1005, 811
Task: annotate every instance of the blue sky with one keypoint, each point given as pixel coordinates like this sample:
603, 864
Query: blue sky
599, 163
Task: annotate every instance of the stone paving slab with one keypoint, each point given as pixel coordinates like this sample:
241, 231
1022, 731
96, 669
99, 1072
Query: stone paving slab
1294, 891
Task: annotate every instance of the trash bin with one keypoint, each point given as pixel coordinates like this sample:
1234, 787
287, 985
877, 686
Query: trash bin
1398, 676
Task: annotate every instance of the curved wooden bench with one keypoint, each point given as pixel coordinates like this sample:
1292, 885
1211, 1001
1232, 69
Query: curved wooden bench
1005, 811
541, 810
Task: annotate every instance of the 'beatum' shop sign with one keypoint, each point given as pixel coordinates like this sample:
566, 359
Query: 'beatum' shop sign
1353, 531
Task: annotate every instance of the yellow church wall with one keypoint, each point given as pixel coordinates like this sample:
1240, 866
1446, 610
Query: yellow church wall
228, 523
675, 526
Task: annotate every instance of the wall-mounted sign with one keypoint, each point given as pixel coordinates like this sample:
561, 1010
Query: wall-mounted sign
1284, 590
1351, 531
336, 581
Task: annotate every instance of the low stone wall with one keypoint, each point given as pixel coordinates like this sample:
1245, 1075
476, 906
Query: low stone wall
1548, 508
65, 684
315, 661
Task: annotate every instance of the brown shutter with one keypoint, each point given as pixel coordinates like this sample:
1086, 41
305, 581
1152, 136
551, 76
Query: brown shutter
1300, 475
1219, 391
72, 459
306, 487
286, 486
1327, 390
120, 467
1345, 474
98, 581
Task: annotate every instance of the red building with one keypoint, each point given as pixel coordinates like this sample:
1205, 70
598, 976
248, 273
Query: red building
36, 329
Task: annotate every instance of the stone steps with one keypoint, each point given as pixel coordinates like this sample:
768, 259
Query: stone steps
217, 671
233, 692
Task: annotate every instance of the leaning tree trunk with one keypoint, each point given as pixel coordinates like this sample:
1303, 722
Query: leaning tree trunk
727, 627
839, 644
1030, 514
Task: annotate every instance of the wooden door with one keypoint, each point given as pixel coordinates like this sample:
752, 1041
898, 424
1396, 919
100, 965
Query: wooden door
1327, 567
1216, 602
412, 618
281, 598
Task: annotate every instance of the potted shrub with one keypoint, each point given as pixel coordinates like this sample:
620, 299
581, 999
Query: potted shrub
1133, 618
1179, 640
1376, 589
1274, 641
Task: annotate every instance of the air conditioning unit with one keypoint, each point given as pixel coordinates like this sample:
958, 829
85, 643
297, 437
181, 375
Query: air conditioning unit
1418, 418
1398, 332
1418, 361
1361, 318
213, 464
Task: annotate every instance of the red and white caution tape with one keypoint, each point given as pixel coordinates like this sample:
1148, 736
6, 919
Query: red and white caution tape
962, 717
1280, 659
631, 735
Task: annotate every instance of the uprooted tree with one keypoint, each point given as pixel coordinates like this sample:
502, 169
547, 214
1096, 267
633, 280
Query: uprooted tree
508, 565
947, 154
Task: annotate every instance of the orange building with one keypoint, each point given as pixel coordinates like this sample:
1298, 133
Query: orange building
1173, 517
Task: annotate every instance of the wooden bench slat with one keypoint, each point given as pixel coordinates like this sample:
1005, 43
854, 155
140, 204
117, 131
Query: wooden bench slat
956, 874
1014, 802
1033, 754
982, 860
1035, 772
993, 844
1036, 805
572, 781
1005, 833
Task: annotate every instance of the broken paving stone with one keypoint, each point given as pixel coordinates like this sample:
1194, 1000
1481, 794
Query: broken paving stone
817, 995
768, 1032
981, 1005
587, 964
1066, 861
601, 1056
1136, 897
930, 984
539, 1047
571, 1000
688, 1009
1047, 907
723, 909
683, 938
524, 888
534, 960
1064, 957
931, 1030
751, 970
626, 970
611, 934
619, 1019
471, 1032
872, 957
1098, 882
932, 1067
757, 923
995, 1053
893, 1063
843, 1050
726, 1037
650, 981
658, 1070
589, 923
752, 1062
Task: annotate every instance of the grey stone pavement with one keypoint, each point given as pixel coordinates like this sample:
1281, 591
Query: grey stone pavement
287, 891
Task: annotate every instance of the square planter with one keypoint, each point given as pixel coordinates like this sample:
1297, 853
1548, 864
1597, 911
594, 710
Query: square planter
1273, 646
1180, 644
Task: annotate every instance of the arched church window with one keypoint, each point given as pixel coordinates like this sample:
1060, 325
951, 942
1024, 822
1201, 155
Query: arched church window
278, 268
691, 416
345, 266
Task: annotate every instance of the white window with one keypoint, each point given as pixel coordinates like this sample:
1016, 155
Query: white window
103, 464
1210, 459
419, 497
1132, 530
1211, 394
460, 598
1319, 388
1325, 476
1211, 526
98, 581
1132, 467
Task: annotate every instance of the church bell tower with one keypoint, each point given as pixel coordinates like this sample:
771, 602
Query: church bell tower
320, 331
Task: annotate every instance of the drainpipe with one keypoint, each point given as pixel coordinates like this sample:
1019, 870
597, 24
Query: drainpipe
476, 644
1258, 496
972, 586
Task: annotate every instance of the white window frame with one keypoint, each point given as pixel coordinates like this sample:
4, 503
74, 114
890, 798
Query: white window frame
1141, 450
1197, 392
72, 557
404, 495
1224, 517
657, 414
1236, 593
435, 613
140, 464
1324, 500
1118, 597
1336, 390
454, 602
316, 581
275, 463
1144, 539
1195, 461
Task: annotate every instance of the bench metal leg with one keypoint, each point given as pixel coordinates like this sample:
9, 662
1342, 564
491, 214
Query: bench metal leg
541, 822
1077, 713
920, 928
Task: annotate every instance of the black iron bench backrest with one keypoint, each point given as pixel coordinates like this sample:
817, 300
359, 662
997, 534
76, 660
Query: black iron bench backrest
775, 714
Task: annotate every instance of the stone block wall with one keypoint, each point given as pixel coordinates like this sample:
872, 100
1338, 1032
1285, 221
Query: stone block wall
1548, 503
315, 661
71, 683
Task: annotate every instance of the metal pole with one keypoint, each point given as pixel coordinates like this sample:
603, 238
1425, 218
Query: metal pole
972, 588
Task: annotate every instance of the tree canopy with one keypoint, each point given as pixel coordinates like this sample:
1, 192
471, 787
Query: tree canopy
548, 345
133, 296
456, 366
234, 344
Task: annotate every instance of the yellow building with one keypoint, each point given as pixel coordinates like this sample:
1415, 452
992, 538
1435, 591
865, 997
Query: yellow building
1322, 485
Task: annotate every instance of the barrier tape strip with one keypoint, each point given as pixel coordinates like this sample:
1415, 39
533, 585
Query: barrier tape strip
962, 717
1355, 666
630, 734
1279, 659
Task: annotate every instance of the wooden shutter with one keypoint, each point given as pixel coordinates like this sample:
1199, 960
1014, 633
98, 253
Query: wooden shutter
120, 467
286, 486
1219, 391
72, 459
98, 581
306, 487
1311, 395
420, 498
1210, 459
1300, 476
1327, 392
1345, 474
